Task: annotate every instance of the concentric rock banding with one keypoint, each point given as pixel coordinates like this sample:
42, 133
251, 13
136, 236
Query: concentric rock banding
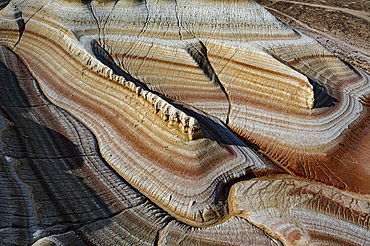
250, 71
122, 230
301, 212
135, 226
65, 194
186, 123
235, 231
156, 158
52, 176
157, 82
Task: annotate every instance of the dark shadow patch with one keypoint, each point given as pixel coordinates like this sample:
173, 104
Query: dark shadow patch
140, 2
4, 3
21, 26
321, 97
224, 188
103, 56
198, 52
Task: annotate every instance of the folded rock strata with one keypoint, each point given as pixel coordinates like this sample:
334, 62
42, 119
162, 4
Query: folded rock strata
235, 231
56, 188
122, 230
299, 212
127, 126
250, 59
52, 176
164, 87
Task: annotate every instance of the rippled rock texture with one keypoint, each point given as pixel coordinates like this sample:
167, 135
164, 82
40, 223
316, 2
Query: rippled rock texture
177, 123
341, 26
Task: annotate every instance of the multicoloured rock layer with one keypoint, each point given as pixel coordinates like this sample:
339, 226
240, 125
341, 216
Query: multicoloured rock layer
188, 100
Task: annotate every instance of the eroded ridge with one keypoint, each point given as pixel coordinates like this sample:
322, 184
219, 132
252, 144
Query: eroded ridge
174, 116
303, 108
43, 149
185, 178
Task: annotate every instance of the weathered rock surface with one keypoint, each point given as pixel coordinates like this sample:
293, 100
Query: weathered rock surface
128, 122
302, 213
341, 26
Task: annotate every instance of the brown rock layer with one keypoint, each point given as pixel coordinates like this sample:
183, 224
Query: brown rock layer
65, 193
302, 213
49, 163
164, 87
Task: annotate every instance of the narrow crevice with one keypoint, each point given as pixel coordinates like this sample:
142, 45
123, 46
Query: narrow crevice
199, 53
104, 57
224, 188
22, 24
178, 20
273, 239
88, 4
147, 16
106, 21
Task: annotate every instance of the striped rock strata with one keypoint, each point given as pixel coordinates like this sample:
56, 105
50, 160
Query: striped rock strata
302, 213
56, 188
160, 84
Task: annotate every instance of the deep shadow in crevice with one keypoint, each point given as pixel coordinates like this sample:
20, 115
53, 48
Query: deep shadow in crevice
103, 56
321, 97
21, 25
224, 188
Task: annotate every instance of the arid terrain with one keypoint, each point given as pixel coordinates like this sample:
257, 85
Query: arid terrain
193, 122
343, 27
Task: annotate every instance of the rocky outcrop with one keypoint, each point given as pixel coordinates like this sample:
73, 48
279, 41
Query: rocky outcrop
167, 123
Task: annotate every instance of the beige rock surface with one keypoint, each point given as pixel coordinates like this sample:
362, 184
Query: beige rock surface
168, 123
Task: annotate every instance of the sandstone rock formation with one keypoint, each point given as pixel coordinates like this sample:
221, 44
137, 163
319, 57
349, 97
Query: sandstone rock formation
177, 122
341, 26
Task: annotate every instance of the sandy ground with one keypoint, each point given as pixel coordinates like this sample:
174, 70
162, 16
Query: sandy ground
342, 26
